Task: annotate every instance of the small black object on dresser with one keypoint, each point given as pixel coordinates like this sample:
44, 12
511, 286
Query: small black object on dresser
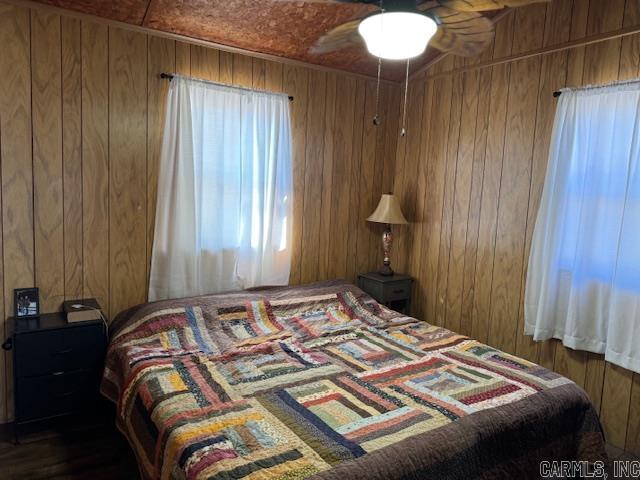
57, 366
394, 291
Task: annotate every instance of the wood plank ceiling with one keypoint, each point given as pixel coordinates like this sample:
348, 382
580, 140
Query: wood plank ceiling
285, 28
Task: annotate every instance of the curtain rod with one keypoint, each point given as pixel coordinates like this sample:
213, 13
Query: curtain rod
557, 93
170, 76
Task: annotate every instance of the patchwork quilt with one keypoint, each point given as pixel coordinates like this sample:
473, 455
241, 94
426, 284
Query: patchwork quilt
321, 381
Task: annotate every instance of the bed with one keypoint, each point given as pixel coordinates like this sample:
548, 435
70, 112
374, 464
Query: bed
321, 381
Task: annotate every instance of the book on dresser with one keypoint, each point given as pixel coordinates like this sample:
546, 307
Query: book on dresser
82, 310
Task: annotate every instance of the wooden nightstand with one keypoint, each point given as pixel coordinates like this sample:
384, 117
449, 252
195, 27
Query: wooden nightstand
56, 366
394, 291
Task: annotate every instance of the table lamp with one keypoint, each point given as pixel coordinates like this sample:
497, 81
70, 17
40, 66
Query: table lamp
387, 212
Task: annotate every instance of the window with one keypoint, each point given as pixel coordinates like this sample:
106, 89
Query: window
583, 283
224, 192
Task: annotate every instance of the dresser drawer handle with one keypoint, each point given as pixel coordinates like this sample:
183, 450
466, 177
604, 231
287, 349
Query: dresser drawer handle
63, 352
60, 372
66, 394
399, 290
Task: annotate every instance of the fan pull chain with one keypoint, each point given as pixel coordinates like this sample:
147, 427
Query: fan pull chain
403, 132
376, 117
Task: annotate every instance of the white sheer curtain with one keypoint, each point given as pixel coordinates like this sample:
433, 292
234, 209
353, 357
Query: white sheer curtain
223, 216
583, 283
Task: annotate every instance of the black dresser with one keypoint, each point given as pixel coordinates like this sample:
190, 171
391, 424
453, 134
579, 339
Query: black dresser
57, 366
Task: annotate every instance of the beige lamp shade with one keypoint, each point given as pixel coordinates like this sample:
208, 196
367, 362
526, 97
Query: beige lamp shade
388, 211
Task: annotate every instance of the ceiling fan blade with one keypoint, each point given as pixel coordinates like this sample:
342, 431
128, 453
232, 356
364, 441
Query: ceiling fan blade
463, 33
461, 45
342, 36
485, 5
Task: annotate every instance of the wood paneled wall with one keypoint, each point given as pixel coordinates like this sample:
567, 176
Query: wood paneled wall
81, 112
81, 115
470, 175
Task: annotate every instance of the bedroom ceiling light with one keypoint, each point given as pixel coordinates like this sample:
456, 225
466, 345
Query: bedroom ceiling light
397, 35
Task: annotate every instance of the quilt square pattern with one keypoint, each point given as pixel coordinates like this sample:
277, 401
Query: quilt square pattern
284, 389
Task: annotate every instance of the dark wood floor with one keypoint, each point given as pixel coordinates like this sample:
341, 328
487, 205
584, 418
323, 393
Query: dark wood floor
67, 449
74, 450
619, 454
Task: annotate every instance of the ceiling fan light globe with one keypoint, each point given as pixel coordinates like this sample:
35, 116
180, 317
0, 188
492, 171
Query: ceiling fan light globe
397, 35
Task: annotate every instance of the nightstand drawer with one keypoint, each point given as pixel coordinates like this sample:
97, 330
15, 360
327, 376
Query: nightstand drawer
374, 289
59, 351
398, 291
50, 395
394, 291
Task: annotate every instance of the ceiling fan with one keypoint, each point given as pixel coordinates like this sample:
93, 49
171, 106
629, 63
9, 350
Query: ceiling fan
402, 29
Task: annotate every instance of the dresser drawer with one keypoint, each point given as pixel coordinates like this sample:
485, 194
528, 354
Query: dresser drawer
397, 291
46, 396
59, 351
374, 289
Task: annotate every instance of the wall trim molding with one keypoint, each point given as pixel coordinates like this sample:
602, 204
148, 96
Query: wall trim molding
184, 38
599, 38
